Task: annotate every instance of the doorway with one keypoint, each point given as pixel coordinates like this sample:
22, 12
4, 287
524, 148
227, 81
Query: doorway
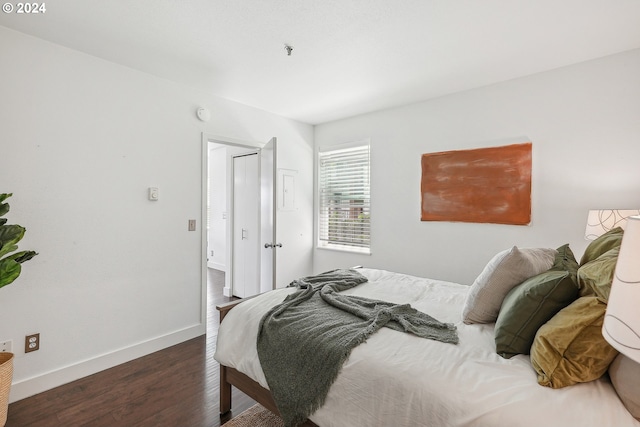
217, 215
286, 249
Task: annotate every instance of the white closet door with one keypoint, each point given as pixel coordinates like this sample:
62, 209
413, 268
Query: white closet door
246, 226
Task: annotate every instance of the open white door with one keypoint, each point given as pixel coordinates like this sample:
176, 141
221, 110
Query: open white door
269, 243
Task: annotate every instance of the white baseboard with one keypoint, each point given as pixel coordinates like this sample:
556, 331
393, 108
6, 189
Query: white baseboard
31, 386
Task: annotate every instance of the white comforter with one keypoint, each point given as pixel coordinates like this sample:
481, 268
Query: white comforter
396, 379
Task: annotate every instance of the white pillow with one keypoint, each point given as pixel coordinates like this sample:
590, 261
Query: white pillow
506, 270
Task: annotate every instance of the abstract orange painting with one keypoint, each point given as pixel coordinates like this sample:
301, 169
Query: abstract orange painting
484, 185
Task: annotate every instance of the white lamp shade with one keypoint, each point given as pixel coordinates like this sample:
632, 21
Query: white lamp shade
603, 220
621, 326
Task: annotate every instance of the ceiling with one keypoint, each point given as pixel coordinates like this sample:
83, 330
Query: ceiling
349, 56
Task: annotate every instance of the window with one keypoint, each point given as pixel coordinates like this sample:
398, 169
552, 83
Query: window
344, 205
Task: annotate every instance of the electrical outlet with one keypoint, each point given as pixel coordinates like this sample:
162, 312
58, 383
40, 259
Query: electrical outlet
31, 343
6, 346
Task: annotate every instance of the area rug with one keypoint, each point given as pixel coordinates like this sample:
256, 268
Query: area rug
256, 416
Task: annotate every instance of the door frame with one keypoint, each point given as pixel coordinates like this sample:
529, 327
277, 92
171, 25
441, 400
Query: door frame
207, 138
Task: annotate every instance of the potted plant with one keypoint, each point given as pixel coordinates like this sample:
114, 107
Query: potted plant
10, 268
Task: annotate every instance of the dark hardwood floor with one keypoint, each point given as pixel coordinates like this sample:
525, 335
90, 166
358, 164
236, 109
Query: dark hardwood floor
178, 386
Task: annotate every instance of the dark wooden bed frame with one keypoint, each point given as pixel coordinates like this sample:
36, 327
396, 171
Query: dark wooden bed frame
232, 377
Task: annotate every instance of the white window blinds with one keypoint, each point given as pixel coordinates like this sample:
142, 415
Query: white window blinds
344, 202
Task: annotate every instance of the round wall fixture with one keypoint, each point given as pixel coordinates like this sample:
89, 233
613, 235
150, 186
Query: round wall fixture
203, 114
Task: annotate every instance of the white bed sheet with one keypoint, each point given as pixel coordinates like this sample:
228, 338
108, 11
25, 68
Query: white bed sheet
397, 379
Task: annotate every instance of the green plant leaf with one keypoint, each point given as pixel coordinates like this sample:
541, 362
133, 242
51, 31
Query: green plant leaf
22, 256
10, 235
5, 249
4, 207
9, 271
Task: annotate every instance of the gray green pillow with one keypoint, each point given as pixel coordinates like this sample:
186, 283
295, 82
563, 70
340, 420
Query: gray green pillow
530, 305
565, 260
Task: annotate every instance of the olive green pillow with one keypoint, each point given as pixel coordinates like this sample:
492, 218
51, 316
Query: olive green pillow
530, 305
565, 260
570, 348
595, 277
609, 240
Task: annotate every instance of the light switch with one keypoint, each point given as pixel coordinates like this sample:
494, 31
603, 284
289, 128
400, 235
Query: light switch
153, 194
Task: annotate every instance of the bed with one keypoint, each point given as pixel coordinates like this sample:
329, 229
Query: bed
402, 380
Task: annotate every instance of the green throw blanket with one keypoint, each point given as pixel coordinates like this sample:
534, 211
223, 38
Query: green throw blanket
303, 342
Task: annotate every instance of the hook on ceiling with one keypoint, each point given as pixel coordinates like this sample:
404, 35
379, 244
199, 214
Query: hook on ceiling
289, 49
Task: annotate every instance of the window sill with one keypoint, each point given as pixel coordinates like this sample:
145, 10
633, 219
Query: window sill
340, 248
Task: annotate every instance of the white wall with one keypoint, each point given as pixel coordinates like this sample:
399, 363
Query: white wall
117, 276
584, 122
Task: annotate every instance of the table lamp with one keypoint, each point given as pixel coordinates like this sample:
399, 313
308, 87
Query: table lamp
621, 326
603, 220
